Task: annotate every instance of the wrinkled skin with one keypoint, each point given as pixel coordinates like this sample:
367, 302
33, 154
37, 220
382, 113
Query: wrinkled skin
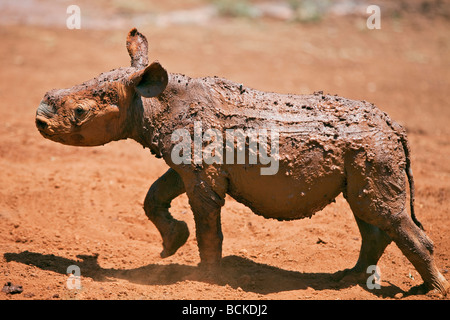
327, 145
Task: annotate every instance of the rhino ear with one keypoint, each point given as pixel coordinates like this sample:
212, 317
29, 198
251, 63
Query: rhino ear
151, 81
137, 47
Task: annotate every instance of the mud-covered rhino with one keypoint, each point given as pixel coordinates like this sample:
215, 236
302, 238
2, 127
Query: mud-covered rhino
326, 145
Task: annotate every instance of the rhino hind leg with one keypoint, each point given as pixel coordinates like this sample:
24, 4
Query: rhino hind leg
418, 248
373, 243
174, 233
376, 193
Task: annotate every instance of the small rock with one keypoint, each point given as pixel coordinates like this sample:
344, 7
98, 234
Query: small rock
10, 288
243, 252
398, 295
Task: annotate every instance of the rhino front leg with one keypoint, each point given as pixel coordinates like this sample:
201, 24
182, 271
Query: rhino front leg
174, 233
206, 205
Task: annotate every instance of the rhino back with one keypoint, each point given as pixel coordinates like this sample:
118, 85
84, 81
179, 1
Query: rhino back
231, 105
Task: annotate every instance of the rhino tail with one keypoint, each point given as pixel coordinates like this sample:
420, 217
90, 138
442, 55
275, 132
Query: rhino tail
409, 174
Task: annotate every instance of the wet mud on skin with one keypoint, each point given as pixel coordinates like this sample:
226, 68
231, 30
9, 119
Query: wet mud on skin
63, 206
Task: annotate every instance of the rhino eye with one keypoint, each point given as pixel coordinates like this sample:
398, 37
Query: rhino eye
79, 111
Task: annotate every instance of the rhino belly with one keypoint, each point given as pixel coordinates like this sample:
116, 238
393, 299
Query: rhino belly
288, 194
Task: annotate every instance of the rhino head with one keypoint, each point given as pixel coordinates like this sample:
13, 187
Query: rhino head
99, 110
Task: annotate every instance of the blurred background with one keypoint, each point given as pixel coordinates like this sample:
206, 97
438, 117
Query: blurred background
295, 46
63, 201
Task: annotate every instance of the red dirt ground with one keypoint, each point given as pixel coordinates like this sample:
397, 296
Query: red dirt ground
62, 206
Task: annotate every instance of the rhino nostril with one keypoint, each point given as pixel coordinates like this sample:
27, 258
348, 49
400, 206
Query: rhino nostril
41, 124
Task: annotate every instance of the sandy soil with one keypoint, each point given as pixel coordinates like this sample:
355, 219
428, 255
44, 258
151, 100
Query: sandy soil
62, 206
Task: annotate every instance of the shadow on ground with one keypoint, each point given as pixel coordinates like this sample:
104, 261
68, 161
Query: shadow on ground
236, 272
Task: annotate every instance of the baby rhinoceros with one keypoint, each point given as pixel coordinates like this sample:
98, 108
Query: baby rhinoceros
216, 136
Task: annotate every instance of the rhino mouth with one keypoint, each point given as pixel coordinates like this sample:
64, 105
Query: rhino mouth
44, 130
51, 136
48, 132
72, 140
47, 135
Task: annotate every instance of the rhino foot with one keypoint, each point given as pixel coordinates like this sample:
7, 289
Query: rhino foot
432, 291
421, 289
175, 238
